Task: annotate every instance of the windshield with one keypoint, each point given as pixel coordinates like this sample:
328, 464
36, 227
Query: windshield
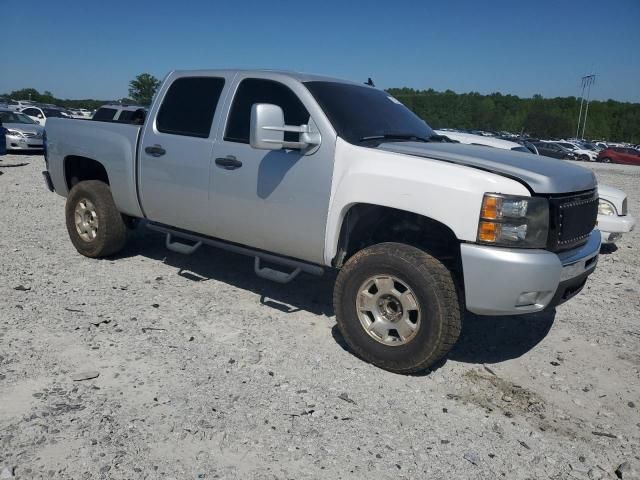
15, 117
360, 113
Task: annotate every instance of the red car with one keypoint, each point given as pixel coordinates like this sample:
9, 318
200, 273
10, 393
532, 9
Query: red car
629, 156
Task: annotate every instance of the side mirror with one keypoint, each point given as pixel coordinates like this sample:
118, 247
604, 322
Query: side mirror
40, 115
267, 129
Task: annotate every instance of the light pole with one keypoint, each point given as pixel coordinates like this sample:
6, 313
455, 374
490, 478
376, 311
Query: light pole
583, 86
590, 81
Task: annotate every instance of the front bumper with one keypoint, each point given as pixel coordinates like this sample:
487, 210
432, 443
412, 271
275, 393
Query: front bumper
613, 226
509, 281
24, 143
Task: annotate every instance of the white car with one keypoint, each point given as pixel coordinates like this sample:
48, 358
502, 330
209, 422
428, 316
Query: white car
613, 218
40, 114
582, 153
485, 141
17, 105
80, 113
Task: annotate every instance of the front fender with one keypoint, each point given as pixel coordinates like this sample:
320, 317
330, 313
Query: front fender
448, 193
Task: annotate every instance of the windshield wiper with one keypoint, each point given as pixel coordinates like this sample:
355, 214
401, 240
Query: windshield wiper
395, 136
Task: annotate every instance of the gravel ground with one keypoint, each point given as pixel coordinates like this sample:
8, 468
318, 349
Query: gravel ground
205, 371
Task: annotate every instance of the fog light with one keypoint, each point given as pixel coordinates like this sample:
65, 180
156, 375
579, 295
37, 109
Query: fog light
527, 298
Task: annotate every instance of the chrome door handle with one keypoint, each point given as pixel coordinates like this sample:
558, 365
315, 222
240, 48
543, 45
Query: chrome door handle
155, 151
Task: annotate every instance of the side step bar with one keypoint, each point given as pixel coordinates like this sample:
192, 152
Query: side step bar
297, 266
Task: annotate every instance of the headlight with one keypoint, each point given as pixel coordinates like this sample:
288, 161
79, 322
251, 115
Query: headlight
14, 133
513, 221
606, 208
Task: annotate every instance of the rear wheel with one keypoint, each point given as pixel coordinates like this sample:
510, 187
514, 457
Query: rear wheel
95, 225
397, 307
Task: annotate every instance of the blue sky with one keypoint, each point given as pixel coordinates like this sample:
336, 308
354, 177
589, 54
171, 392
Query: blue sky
82, 49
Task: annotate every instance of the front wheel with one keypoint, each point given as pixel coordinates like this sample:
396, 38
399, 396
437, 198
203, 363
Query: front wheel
606, 160
95, 225
397, 307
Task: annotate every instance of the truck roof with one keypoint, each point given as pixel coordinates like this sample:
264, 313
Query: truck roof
301, 77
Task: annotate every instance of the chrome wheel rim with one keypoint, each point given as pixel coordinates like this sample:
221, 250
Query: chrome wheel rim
388, 310
86, 219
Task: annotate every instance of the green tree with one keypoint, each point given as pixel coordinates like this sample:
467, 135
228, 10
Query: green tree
143, 87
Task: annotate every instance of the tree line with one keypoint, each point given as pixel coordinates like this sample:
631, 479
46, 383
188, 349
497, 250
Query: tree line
537, 116
141, 91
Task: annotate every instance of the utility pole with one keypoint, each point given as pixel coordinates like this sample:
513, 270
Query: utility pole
583, 86
590, 80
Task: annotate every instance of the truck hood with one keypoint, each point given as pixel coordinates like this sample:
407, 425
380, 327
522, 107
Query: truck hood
541, 174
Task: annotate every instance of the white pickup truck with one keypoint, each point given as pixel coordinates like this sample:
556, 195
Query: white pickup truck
309, 173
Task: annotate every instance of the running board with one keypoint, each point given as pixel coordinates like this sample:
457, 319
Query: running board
180, 247
272, 274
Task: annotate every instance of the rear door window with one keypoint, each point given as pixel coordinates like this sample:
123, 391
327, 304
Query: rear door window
254, 90
105, 114
189, 105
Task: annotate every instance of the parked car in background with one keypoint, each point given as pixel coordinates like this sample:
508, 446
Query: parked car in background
120, 113
627, 156
18, 105
80, 113
581, 153
22, 132
486, 141
3, 146
40, 114
613, 217
590, 146
552, 149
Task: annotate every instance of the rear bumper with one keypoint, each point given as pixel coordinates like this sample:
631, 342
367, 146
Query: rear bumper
613, 226
509, 281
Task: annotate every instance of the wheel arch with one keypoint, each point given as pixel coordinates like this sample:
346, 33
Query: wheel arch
365, 224
79, 168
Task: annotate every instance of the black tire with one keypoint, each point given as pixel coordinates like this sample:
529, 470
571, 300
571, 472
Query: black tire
434, 288
111, 232
583, 158
606, 160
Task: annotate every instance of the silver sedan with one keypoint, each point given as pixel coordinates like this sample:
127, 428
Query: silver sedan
22, 132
